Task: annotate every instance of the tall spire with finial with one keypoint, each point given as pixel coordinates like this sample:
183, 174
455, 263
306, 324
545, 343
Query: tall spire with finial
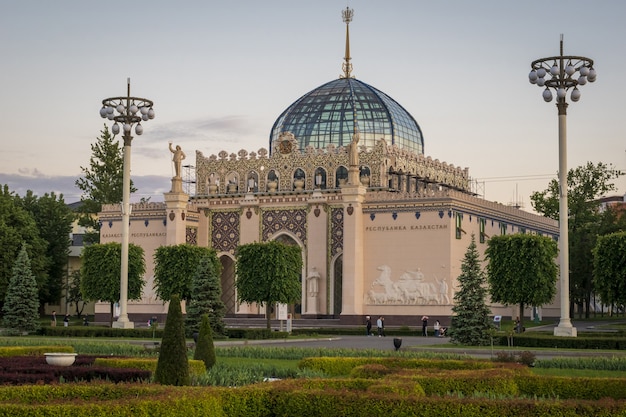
347, 66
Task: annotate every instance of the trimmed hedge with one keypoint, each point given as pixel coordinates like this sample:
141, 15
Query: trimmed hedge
256, 334
397, 395
99, 331
7, 351
545, 340
576, 388
341, 366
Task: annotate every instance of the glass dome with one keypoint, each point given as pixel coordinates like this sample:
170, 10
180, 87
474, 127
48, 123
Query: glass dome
327, 115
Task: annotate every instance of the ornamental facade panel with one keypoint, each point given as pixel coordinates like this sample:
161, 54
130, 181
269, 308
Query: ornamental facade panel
225, 230
191, 236
336, 231
277, 220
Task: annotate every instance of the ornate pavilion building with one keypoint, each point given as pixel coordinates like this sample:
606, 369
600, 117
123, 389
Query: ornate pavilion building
383, 228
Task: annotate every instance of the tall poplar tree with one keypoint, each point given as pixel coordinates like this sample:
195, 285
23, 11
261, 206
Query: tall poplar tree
269, 273
17, 225
522, 270
585, 184
21, 303
54, 221
471, 320
100, 272
102, 182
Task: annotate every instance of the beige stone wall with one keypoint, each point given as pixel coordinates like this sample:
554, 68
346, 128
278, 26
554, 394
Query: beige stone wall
147, 229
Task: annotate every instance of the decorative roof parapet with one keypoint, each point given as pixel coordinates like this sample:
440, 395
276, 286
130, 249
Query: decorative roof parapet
286, 161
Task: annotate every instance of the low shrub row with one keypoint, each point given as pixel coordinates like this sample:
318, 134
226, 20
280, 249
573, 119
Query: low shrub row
256, 334
546, 340
8, 351
597, 363
100, 331
328, 398
341, 366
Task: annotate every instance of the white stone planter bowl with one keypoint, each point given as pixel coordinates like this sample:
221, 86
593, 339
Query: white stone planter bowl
60, 359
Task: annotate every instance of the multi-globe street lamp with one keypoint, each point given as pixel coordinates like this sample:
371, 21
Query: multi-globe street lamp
562, 73
127, 111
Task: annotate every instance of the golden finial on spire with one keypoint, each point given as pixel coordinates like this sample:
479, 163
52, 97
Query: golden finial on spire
347, 66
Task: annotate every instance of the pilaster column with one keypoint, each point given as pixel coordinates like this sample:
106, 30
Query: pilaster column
176, 208
352, 288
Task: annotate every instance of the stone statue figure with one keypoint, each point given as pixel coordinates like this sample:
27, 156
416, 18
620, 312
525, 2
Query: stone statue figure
353, 150
177, 158
313, 282
443, 291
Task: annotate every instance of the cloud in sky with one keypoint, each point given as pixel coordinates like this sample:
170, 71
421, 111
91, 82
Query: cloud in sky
148, 186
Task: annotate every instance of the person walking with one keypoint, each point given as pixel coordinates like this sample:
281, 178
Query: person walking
66, 320
424, 325
382, 325
53, 323
379, 326
368, 325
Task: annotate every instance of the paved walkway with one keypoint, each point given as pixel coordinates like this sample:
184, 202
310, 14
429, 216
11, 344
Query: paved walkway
424, 344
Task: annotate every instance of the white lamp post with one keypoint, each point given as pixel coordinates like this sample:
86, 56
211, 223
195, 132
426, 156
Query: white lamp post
562, 74
127, 111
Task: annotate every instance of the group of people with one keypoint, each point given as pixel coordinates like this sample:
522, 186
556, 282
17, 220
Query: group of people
440, 331
66, 319
380, 326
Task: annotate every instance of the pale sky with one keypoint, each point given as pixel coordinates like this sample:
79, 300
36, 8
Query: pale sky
221, 72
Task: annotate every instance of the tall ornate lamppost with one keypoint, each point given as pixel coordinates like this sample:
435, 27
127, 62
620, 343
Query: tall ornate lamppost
127, 111
564, 73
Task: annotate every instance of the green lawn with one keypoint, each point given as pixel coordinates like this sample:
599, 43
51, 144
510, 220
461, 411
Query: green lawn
278, 363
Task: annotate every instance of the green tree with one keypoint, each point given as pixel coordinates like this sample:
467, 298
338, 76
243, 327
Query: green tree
102, 182
21, 302
610, 268
100, 272
175, 266
173, 366
585, 185
18, 226
521, 270
471, 319
268, 273
54, 221
206, 298
205, 350
74, 295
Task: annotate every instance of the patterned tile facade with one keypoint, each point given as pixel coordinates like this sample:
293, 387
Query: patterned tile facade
225, 230
292, 220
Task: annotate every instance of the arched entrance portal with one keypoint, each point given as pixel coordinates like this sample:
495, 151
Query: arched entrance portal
229, 296
294, 309
337, 285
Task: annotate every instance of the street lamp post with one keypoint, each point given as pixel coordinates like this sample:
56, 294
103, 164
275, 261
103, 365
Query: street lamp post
564, 73
127, 111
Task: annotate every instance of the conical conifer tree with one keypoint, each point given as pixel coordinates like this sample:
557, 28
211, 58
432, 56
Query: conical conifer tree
173, 366
471, 322
21, 303
205, 350
206, 299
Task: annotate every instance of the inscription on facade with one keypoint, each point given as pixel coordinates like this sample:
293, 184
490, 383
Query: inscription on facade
116, 235
404, 227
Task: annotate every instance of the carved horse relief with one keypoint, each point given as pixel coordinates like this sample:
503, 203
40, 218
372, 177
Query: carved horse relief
409, 289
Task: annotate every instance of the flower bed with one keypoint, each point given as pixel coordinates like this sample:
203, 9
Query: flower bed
20, 370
